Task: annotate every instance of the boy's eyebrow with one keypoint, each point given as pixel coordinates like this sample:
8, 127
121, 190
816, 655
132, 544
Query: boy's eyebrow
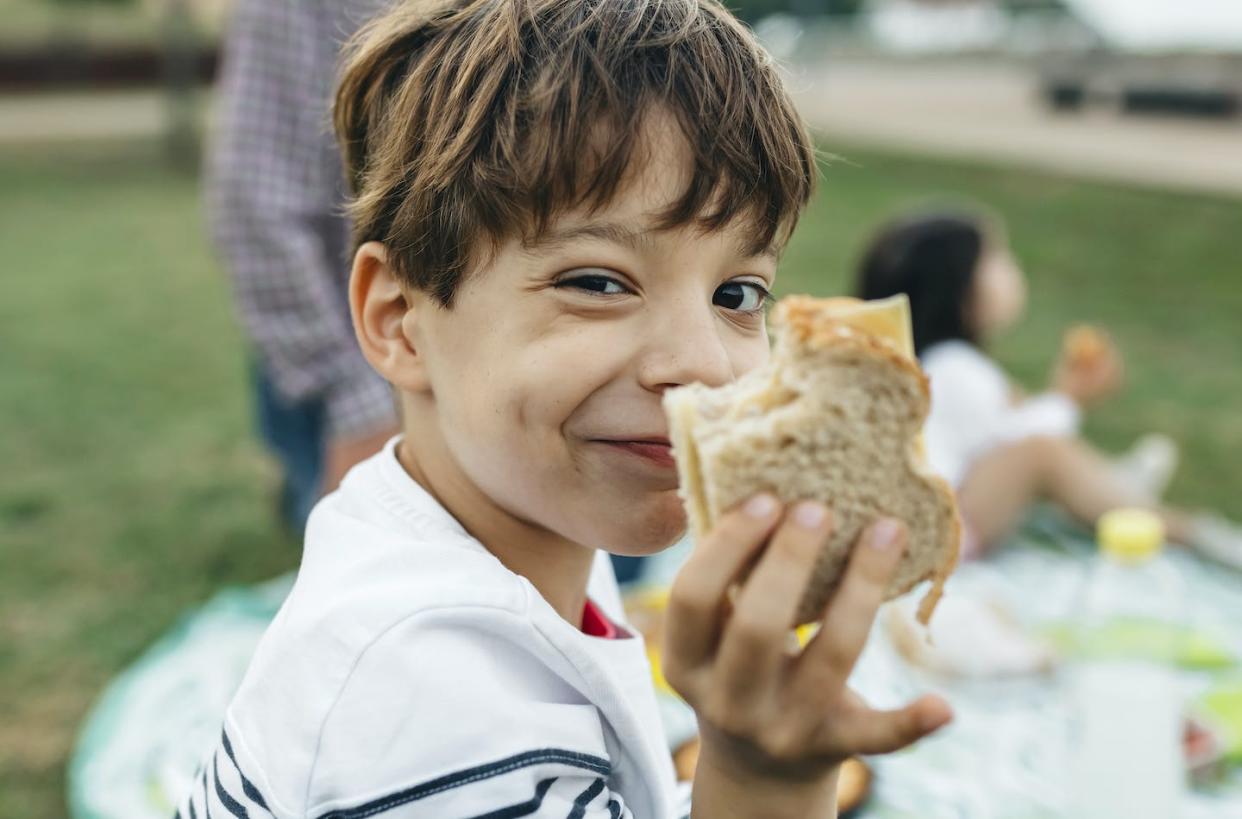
605, 231
617, 234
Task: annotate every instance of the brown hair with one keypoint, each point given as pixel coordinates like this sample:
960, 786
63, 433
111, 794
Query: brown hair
463, 120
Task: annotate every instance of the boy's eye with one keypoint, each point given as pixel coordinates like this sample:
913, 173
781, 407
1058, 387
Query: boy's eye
744, 297
594, 283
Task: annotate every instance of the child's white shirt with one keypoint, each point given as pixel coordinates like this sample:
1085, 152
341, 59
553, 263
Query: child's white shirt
410, 674
973, 411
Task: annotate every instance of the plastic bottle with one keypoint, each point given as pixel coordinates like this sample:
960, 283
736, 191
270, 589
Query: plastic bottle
1127, 759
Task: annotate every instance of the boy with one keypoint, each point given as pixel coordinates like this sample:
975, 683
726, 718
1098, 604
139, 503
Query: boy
563, 208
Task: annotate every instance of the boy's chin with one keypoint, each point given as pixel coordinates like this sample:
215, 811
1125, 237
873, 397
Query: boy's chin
651, 531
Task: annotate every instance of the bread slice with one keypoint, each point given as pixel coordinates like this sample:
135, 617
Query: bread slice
835, 415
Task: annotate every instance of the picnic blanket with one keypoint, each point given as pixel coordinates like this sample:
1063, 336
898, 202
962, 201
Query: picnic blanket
1007, 753
145, 737
1004, 757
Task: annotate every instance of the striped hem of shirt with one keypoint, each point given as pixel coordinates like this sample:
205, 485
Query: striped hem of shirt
478, 773
235, 795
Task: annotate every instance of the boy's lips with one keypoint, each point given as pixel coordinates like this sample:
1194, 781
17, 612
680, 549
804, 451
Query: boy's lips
656, 450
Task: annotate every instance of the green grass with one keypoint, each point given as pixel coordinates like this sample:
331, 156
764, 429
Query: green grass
132, 487
96, 24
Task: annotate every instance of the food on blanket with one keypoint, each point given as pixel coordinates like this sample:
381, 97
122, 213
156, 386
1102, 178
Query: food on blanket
970, 639
1219, 710
1203, 750
836, 416
686, 759
644, 609
1085, 345
853, 786
853, 780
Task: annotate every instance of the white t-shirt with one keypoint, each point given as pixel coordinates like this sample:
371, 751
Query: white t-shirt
973, 411
410, 674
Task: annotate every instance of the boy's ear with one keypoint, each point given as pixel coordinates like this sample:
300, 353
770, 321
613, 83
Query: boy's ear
385, 321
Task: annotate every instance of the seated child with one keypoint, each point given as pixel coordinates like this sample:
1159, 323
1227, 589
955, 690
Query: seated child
1002, 449
562, 209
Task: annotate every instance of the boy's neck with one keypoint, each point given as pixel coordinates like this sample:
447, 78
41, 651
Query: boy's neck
558, 568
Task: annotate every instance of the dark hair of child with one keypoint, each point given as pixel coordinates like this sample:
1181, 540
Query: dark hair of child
932, 257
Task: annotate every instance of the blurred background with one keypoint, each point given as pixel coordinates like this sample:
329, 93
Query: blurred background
1108, 133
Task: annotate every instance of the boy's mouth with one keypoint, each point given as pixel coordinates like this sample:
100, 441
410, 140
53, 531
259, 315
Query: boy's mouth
655, 449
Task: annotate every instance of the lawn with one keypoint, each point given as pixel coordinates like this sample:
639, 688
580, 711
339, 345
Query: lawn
98, 25
133, 489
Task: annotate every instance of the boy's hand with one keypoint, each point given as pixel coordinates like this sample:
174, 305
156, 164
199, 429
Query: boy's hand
776, 723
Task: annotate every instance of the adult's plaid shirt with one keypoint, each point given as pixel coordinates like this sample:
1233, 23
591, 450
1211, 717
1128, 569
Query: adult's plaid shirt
275, 198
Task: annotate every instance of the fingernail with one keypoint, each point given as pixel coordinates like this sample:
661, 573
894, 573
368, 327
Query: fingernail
761, 506
810, 515
884, 534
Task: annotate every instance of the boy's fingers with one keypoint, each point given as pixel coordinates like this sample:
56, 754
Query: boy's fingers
829, 657
696, 598
868, 731
756, 637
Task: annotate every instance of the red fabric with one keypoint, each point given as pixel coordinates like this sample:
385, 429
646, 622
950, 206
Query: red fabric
596, 624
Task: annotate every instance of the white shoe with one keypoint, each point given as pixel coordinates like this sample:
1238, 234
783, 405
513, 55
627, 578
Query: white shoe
1149, 465
1217, 538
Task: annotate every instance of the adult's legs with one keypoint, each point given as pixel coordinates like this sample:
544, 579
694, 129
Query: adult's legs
1002, 484
294, 433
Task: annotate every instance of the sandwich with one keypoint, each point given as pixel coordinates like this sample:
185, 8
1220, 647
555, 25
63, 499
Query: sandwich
1085, 346
835, 416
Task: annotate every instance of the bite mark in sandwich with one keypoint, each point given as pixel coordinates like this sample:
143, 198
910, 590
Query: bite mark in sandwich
835, 416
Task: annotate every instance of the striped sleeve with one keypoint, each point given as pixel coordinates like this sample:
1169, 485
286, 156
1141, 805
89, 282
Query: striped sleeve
440, 720
548, 782
222, 790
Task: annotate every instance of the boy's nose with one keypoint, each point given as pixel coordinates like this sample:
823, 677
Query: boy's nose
683, 351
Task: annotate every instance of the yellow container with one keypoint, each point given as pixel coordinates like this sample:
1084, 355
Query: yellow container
1130, 535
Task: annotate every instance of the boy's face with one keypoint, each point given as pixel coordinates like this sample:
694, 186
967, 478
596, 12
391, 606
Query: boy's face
546, 374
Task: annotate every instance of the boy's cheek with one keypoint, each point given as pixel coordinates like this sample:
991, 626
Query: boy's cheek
753, 354
592, 350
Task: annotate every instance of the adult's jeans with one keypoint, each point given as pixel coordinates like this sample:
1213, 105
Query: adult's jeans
294, 431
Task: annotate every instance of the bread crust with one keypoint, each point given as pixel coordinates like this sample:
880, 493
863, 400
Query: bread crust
828, 336
805, 323
807, 336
